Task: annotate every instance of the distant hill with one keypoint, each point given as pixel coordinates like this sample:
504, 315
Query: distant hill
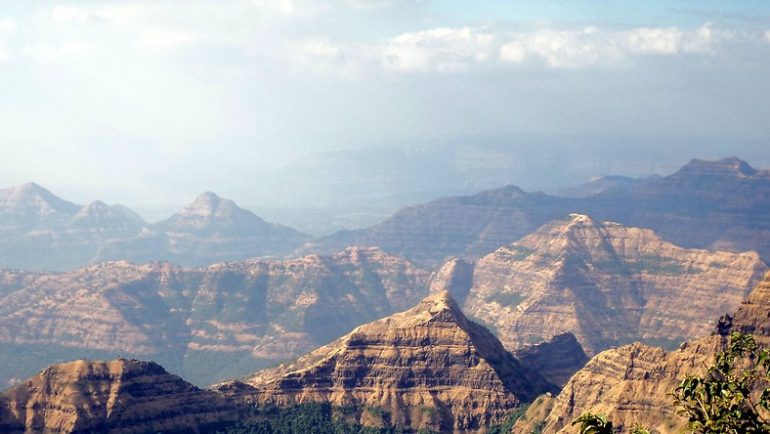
722, 204
210, 229
206, 323
39, 231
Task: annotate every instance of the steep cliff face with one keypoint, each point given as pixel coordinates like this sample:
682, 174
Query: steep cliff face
557, 359
632, 383
121, 396
427, 367
706, 204
607, 284
205, 323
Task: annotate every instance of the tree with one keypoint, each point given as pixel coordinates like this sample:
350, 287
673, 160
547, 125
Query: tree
594, 424
732, 397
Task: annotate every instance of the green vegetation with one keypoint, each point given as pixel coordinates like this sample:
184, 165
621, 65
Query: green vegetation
732, 397
311, 419
507, 425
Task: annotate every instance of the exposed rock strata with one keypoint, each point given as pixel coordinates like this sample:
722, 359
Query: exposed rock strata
428, 367
121, 396
632, 383
607, 284
208, 323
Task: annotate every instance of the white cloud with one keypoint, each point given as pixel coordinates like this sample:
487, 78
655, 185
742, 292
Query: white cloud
441, 50
67, 13
165, 39
122, 13
47, 54
767, 36
595, 47
568, 48
672, 41
7, 25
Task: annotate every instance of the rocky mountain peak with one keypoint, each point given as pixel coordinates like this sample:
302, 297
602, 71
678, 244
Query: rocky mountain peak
429, 356
98, 212
32, 200
732, 166
208, 211
114, 396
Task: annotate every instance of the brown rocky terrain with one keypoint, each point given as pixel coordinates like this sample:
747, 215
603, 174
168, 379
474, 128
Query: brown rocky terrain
607, 284
427, 367
206, 323
706, 204
121, 396
632, 383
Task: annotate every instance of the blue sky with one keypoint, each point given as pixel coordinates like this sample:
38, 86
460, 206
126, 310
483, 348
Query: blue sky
357, 103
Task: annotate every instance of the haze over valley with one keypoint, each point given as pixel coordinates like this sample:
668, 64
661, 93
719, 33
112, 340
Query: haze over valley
384, 216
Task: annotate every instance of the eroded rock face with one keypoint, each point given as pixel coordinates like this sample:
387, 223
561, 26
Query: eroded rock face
607, 284
121, 396
427, 367
557, 359
207, 323
706, 204
632, 383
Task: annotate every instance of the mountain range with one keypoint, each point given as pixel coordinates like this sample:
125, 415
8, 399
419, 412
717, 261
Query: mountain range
706, 204
40, 231
601, 282
426, 369
206, 323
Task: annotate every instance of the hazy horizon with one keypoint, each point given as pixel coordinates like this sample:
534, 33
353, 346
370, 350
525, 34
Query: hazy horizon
371, 104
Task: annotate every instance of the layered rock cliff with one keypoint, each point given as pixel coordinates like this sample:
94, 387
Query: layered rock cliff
207, 323
121, 396
427, 367
607, 284
706, 204
632, 383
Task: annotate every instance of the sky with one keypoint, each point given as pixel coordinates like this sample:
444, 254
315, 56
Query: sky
350, 104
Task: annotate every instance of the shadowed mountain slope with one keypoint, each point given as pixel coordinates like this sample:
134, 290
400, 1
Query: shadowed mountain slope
632, 383
722, 204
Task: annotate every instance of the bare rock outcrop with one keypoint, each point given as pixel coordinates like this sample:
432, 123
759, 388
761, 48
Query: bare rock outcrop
120, 396
207, 323
632, 384
427, 367
607, 284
